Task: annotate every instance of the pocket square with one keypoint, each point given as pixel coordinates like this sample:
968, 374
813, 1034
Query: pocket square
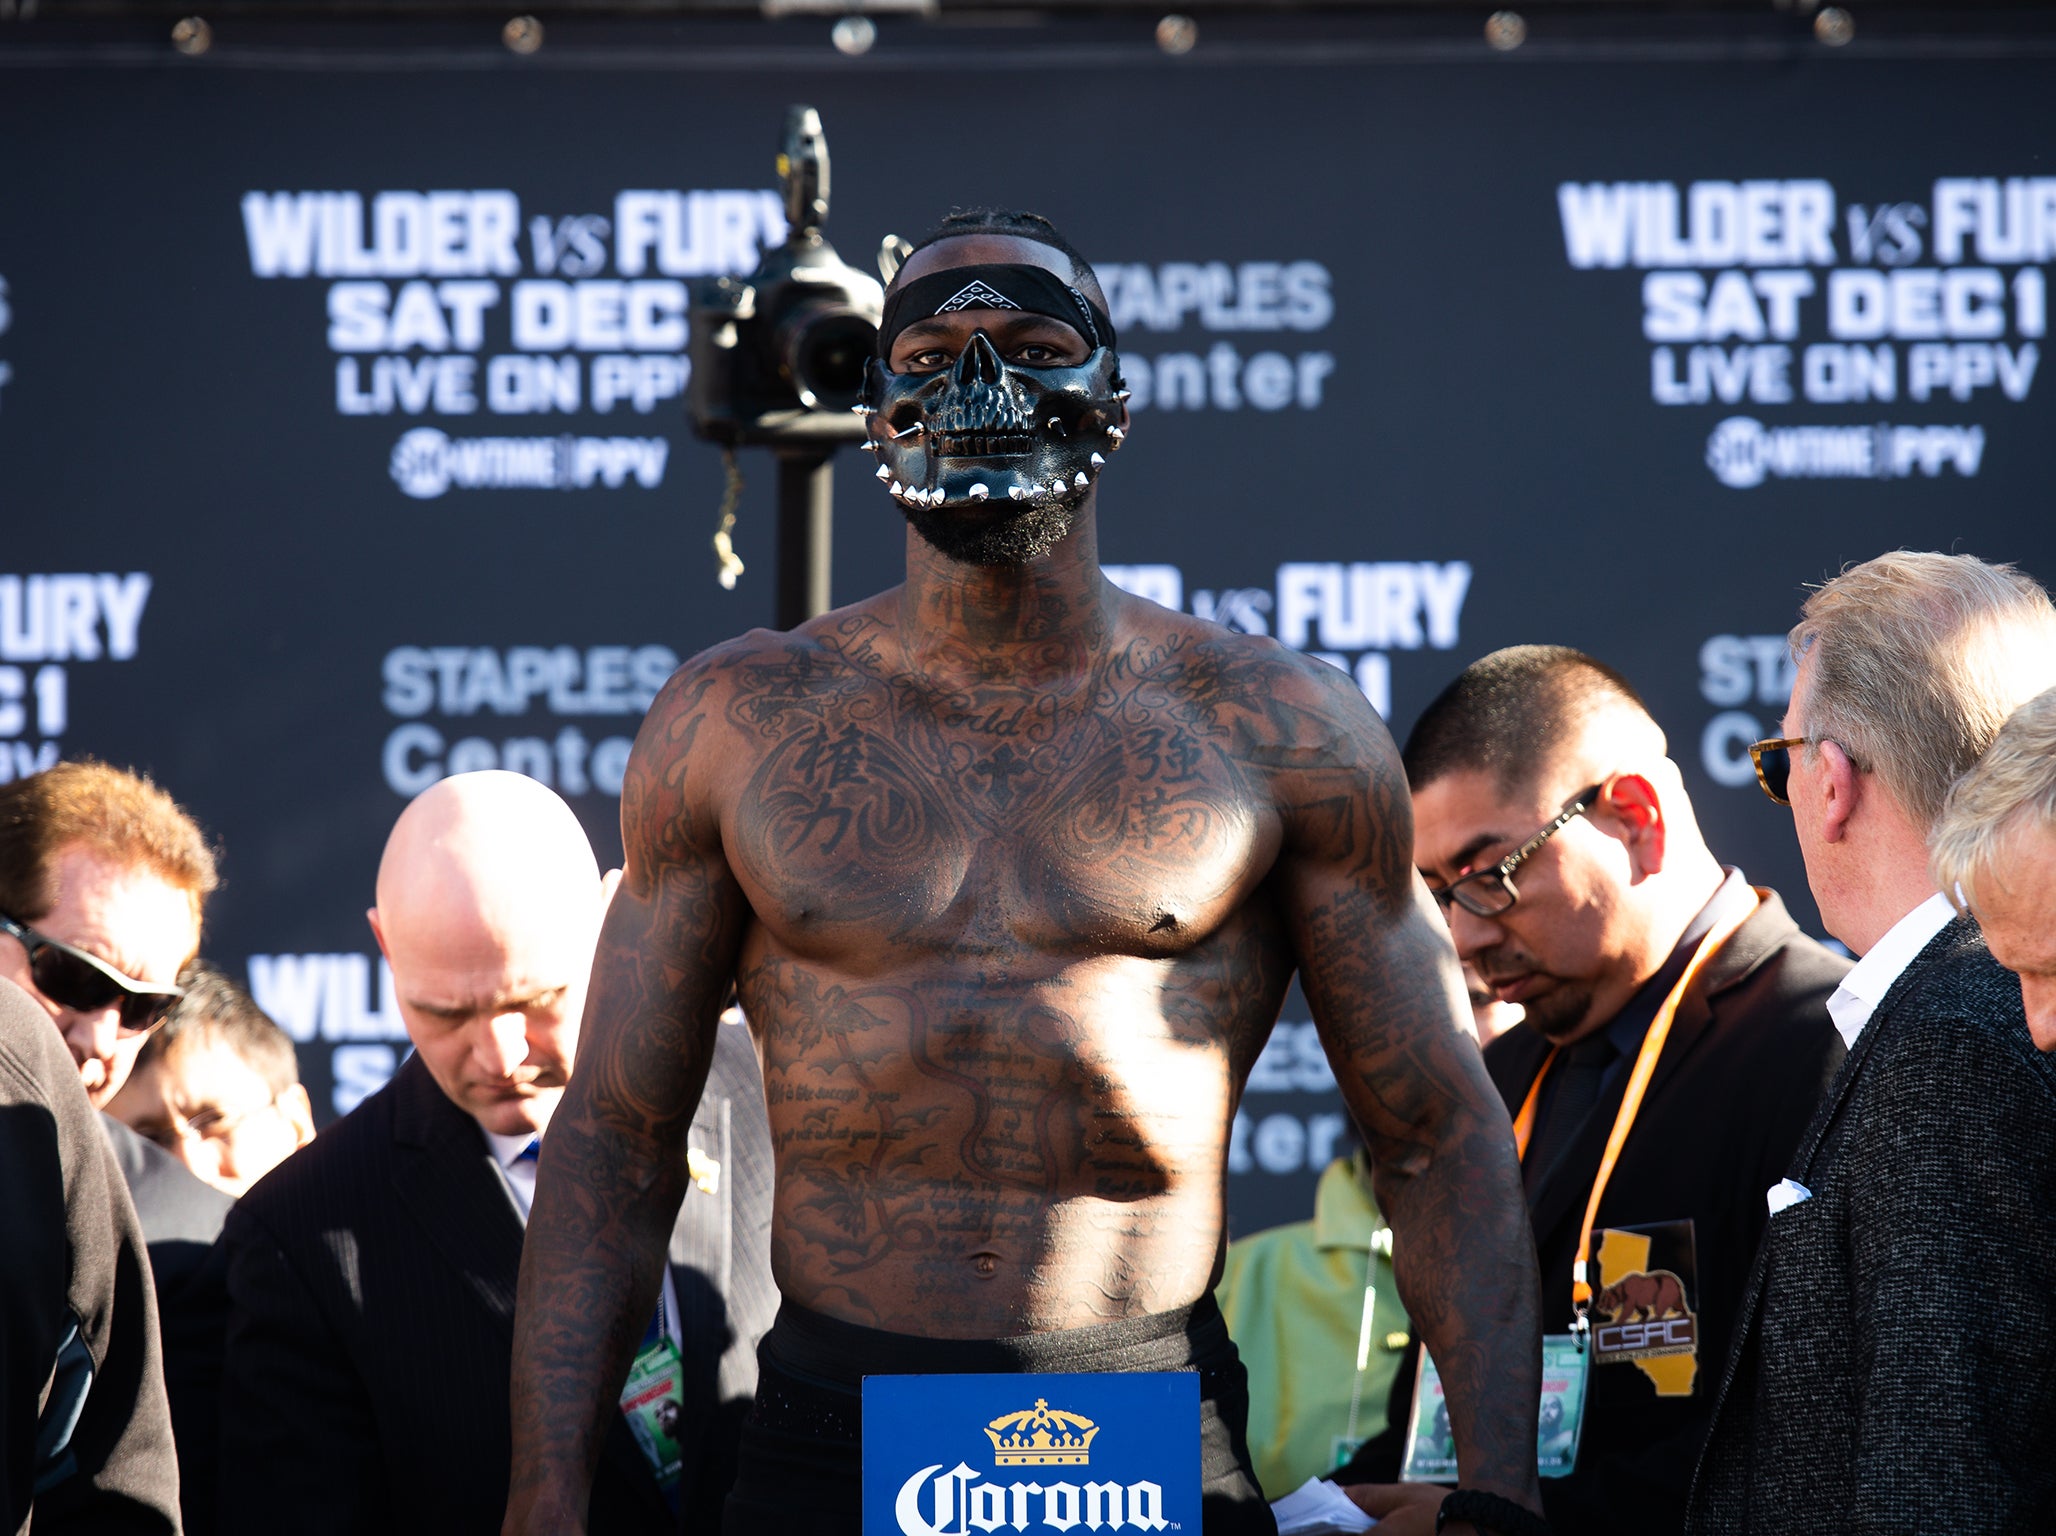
1785, 1194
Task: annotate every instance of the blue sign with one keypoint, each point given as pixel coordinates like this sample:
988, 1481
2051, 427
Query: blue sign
956, 1455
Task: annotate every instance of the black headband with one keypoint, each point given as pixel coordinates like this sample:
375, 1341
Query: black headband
1031, 290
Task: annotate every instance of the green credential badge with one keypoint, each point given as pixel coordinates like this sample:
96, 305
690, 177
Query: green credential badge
1431, 1447
653, 1402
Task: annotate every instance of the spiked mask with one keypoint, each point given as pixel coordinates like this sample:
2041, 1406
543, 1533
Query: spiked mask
985, 444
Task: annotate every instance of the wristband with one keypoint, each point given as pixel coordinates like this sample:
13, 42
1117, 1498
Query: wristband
1489, 1512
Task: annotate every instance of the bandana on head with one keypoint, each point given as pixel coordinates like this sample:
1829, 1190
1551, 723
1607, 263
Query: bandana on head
991, 459
1031, 290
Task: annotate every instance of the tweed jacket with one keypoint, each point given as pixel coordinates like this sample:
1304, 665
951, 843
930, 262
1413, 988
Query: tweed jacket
85, 1435
1892, 1367
372, 1277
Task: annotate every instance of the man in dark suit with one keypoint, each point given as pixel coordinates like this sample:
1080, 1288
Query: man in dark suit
102, 883
85, 1437
1891, 1371
1558, 837
373, 1274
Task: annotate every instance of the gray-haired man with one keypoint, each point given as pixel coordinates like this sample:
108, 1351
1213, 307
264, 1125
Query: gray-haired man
1994, 850
1890, 1368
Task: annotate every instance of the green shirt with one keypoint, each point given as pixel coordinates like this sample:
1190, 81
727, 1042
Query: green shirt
1294, 1300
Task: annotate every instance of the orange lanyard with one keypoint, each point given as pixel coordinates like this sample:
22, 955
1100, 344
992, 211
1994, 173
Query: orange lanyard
1631, 1104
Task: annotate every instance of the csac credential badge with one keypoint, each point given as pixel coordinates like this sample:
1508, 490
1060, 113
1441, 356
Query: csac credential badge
957, 1455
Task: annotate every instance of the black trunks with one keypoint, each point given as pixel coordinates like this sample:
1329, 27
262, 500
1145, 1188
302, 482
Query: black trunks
802, 1465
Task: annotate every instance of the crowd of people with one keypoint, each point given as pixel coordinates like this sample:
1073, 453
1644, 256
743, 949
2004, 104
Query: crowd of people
219, 1319
881, 1058
328, 1321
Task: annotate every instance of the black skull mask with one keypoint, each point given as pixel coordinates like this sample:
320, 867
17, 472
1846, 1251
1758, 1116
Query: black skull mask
988, 431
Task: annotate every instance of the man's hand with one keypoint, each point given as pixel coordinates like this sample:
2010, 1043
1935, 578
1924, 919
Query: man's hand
1402, 1509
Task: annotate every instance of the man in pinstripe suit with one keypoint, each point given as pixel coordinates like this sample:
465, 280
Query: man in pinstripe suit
373, 1274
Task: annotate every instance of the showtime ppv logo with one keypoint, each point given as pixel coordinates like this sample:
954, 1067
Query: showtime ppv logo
425, 462
1742, 452
959, 1501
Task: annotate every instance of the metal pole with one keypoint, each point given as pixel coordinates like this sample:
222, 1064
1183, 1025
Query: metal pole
806, 512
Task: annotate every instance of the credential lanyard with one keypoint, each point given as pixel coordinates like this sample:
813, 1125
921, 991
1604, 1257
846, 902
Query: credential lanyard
660, 1325
1631, 1104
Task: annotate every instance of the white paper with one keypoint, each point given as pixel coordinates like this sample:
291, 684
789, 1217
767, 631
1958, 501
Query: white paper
1318, 1508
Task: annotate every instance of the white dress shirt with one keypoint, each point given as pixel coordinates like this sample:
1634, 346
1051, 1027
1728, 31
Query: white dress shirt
520, 1172
1857, 998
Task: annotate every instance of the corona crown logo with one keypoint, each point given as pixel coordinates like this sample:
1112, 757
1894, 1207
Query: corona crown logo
1041, 1436
1056, 1471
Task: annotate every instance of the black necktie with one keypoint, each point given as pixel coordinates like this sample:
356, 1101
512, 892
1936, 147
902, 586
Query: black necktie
1577, 1077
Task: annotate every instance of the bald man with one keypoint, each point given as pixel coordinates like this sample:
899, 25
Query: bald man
373, 1274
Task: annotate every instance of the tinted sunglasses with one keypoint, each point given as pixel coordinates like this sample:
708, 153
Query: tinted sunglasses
71, 978
1773, 760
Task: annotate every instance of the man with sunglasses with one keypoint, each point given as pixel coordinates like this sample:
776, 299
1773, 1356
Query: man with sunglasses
1558, 838
102, 882
102, 879
1891, 1371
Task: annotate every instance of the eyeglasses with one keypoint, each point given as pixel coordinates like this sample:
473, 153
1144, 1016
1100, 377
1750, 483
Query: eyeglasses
1490, 892
1773, 760
209, 1125
71, 978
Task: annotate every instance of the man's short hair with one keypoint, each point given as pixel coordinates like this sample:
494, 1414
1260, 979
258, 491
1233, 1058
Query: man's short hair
1018, 224
215, 1011
2010, 790
1916, 661
119, 815
1509, 712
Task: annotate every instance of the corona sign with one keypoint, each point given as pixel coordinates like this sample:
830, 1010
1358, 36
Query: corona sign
959, 1455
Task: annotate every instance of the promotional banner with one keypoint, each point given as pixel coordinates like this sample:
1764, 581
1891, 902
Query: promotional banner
947, 1455
342, 443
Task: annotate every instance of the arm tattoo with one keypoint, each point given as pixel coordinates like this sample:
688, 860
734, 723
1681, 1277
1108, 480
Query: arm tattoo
613, 1171
1381, 976
1011, 937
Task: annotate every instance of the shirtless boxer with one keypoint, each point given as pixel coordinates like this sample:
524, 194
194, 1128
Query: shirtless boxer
1012, 870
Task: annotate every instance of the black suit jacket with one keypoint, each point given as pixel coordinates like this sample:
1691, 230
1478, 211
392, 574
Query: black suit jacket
1749, 1053
182, 1217
78, 1323
1893, 1368
373, 1276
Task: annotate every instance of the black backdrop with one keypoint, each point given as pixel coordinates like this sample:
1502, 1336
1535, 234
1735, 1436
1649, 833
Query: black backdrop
1407, 399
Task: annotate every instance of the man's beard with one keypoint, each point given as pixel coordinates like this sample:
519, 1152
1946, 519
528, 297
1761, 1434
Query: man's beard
1557, 1013
1010, 534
